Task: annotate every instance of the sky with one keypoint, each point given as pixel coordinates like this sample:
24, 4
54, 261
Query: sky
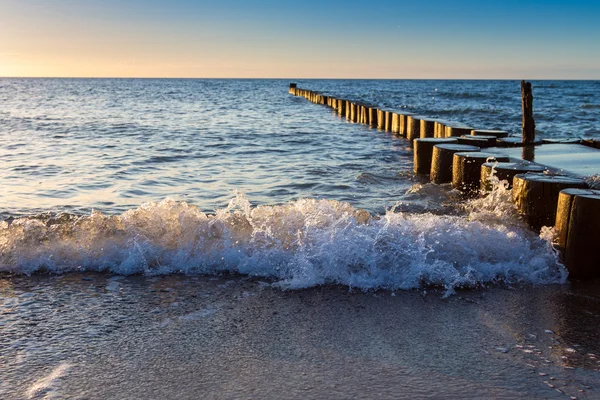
527, 39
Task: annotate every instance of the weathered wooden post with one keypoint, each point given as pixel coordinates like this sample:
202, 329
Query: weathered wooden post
413, 127
352, 111
404, 123
528, 139
466, 170
506, 171
528, 153
364, 117
536, 196
457, 129
341, 107
293, 88
578, 231
427, 127
395, 122
423, 151
358, 113
388, 120
439, 128
380, 119
372, 117
442, 160
528, 121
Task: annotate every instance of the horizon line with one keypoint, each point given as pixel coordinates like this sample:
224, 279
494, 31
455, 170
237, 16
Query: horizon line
292, 79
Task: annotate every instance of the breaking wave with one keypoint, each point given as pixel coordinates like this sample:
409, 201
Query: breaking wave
301, 244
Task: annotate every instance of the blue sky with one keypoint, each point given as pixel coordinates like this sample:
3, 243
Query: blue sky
296, 39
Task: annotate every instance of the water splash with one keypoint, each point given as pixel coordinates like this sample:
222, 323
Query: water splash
299, 244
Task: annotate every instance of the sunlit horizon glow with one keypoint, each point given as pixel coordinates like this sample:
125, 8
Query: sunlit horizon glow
467, 39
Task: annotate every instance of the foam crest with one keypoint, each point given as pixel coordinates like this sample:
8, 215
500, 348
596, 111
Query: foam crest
299, 244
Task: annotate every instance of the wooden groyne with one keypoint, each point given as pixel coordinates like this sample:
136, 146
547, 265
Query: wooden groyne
552, 191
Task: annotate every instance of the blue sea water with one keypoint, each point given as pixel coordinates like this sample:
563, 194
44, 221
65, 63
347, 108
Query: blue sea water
159, 176
126, 205
112, 144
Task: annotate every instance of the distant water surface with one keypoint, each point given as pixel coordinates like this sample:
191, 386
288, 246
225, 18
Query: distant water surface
112, 144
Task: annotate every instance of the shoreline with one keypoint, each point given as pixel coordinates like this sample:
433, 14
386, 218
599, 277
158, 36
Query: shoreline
223, 337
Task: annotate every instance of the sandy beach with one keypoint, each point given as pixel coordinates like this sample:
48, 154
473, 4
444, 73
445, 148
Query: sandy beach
93, 336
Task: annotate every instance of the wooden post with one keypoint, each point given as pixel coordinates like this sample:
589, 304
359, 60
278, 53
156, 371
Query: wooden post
536, 196
506, 171
413, 127
348, 109
380, 119
578, 232
457, 129
423, 151
528, 121
364, 117
388, 121
528, 153
404, 123
341, 107
439, 129
352, 111
427, 126
442, 160
357, 113
372, 111
466, 170
395, 123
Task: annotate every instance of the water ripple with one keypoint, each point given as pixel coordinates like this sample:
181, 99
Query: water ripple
111, 144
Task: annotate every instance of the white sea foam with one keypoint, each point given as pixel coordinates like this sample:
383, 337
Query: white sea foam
300, 244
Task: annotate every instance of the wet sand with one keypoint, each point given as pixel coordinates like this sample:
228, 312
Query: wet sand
93, 336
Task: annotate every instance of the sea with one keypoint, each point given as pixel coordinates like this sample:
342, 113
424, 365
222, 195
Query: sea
221, 238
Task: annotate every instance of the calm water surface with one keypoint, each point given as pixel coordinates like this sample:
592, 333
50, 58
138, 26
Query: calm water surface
112, 144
